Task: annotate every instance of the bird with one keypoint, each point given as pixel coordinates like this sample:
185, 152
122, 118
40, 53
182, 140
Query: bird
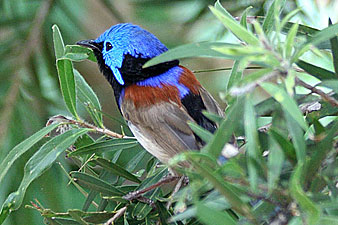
157, 102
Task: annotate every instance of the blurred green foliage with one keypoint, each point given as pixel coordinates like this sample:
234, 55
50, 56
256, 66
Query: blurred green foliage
299, 174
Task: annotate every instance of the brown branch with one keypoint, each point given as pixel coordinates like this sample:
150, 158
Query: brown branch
315, 90
63, 119
117, 215
136, 194
23, 57
97, 129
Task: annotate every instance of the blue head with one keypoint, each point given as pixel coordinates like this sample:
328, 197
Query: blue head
123, 49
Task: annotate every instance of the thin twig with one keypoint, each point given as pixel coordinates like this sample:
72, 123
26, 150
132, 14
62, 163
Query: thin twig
64, 119
117, 215
315, 90
225, 69
264, 198
176, 189
25, 53
97, 129
136, 194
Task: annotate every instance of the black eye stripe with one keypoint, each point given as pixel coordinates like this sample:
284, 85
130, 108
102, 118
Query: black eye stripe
108, 46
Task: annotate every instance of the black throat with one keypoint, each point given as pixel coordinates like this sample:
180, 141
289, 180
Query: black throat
131, 70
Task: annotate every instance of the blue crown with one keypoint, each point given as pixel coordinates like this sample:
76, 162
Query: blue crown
123, 39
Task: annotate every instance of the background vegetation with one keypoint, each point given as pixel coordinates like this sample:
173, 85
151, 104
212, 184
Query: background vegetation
293, 181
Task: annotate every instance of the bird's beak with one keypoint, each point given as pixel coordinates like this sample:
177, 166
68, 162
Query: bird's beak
90, 44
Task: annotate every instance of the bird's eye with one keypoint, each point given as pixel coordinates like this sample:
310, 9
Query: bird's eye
108, 46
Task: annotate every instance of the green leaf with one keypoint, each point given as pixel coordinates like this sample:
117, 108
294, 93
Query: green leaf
235, 27
275, 164
322, 149
103, 146
284, 144
39, 163
116, 169
211, 216
59, 46
23, 147
296, 191
235, 75
334, 49
269, 20
302, 30
226, 129
214, 201
86, 95
96, 184
317, 39
297, 135
67, 84
316, 71
204, 134
141, 210
290, 40
249, 82
289, 105
224, 188
79, 53
204, 49
218, 6
75, 215
243, 21
288, 17
332, 84
323, 35
252, 146
213, 117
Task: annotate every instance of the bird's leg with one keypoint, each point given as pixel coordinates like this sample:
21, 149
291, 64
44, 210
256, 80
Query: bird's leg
137, 194
182, 182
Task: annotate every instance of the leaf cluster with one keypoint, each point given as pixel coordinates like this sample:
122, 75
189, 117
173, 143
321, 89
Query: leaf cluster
285, 169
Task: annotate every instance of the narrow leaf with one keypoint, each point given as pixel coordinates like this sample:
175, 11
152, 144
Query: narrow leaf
289, 105
269, 21
96, 184
67, 84
288, 17
332, 84
116, 169
103, 146
323, 35
243, 21
290, 40
78, 53
275, 163
224, 188
59, 46
203, 49
21, 148
252, 146
211, 216
86, 95
204, 134
226, 129
39, 163
297, 135
235, 27
235, 75
220, 8
284, 144
316, 71
334, 49
299, 195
